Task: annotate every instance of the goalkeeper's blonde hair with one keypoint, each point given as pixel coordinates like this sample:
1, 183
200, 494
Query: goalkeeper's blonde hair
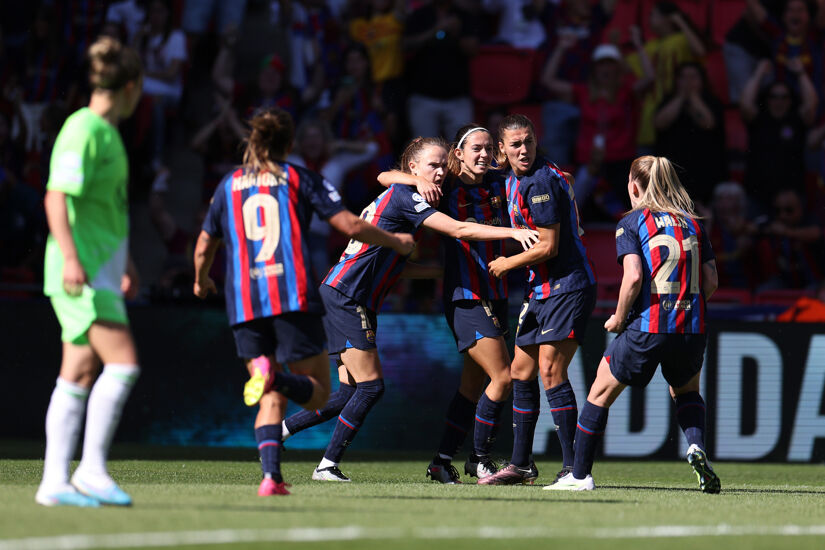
661, 189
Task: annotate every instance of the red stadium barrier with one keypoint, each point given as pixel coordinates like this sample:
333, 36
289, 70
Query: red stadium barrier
501, 74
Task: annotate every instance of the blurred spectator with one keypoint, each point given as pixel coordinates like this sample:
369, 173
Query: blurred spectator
163, 50
219, 142
792, 251
439, 39
586, 21
520, 22
609, 106
198, 14
777, 126
318, 150
816, 146
354, 115
314, 45
46, 74
732, 236
380, 30
744, 46
22, 223
793, 40
81, 23
690, 132
36, 167
675, 42
128, 17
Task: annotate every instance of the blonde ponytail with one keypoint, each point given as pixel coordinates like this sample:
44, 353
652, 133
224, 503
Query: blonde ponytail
663, 192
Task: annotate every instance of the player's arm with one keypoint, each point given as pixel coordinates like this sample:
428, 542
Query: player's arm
355, 228
470, 231
631, 285
205, 251
130, 281
427, 189
545, 249
710, 278
57, 216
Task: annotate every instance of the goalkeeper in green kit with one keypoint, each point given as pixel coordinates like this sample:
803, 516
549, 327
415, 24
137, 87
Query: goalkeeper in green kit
87, 274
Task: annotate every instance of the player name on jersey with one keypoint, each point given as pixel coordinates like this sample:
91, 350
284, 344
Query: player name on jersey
264, 179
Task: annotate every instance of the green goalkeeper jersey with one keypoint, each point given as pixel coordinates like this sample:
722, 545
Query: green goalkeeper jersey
90, 166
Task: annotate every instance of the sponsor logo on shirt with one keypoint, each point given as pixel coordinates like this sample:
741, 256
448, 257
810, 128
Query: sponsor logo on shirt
670, 305
540, 198
69, 168
275, 270
620, 232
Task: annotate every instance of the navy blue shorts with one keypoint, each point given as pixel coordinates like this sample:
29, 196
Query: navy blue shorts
472, 320
633, 357
348, 324
289, 337
555, 318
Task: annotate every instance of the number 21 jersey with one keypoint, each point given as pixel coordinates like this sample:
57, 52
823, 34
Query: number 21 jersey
673, 249
263, 217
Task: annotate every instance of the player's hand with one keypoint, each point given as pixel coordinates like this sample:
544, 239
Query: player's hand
74, 277
430, 191
526, 237
406, 244
204, 287
614, 324
498, 267
129, 285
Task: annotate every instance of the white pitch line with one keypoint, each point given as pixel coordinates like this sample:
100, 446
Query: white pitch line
326, 534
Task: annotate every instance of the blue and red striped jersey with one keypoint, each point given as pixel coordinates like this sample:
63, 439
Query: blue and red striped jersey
263, 218
366, 272
465, 262
541, 198
673, 249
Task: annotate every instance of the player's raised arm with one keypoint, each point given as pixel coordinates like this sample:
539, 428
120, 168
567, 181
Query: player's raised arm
469, 231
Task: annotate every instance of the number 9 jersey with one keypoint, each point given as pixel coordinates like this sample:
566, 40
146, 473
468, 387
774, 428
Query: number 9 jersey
263, 217
673, 249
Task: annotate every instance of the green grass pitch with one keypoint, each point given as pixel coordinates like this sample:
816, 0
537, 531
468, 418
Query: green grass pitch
200, 502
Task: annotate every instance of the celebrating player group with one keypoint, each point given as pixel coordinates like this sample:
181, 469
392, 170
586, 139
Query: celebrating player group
479, 192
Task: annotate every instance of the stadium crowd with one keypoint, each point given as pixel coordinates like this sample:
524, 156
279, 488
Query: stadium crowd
731, 90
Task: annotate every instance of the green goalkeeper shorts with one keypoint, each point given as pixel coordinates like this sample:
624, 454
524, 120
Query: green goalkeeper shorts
77, 313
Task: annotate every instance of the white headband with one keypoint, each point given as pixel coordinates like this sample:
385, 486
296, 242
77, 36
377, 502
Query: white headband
468, 132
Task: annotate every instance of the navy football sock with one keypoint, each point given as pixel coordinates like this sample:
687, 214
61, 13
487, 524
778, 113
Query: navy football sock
295, 386
690, 413
589, 431
352, 417
526, 403
306, 419
269, 448
486, 425
562, 403
458, 422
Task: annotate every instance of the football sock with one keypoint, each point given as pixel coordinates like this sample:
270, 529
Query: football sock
106, 402
690, 413
352, 417
63, 420
306, 419
295, 386
590, 430
526, 403
487, 417
562, 403
269, 448
458, 422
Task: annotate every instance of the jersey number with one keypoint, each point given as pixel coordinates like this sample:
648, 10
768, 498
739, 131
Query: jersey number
269, 231
661, 283
367, 215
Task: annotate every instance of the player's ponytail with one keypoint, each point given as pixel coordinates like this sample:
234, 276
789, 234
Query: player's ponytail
112, 65
663, 192
453, 164
412, 152
269, 141
512, 122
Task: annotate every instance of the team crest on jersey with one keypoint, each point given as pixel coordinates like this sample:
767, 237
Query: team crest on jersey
620, 232
495, 321
370, 336
418, 198
495, 202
